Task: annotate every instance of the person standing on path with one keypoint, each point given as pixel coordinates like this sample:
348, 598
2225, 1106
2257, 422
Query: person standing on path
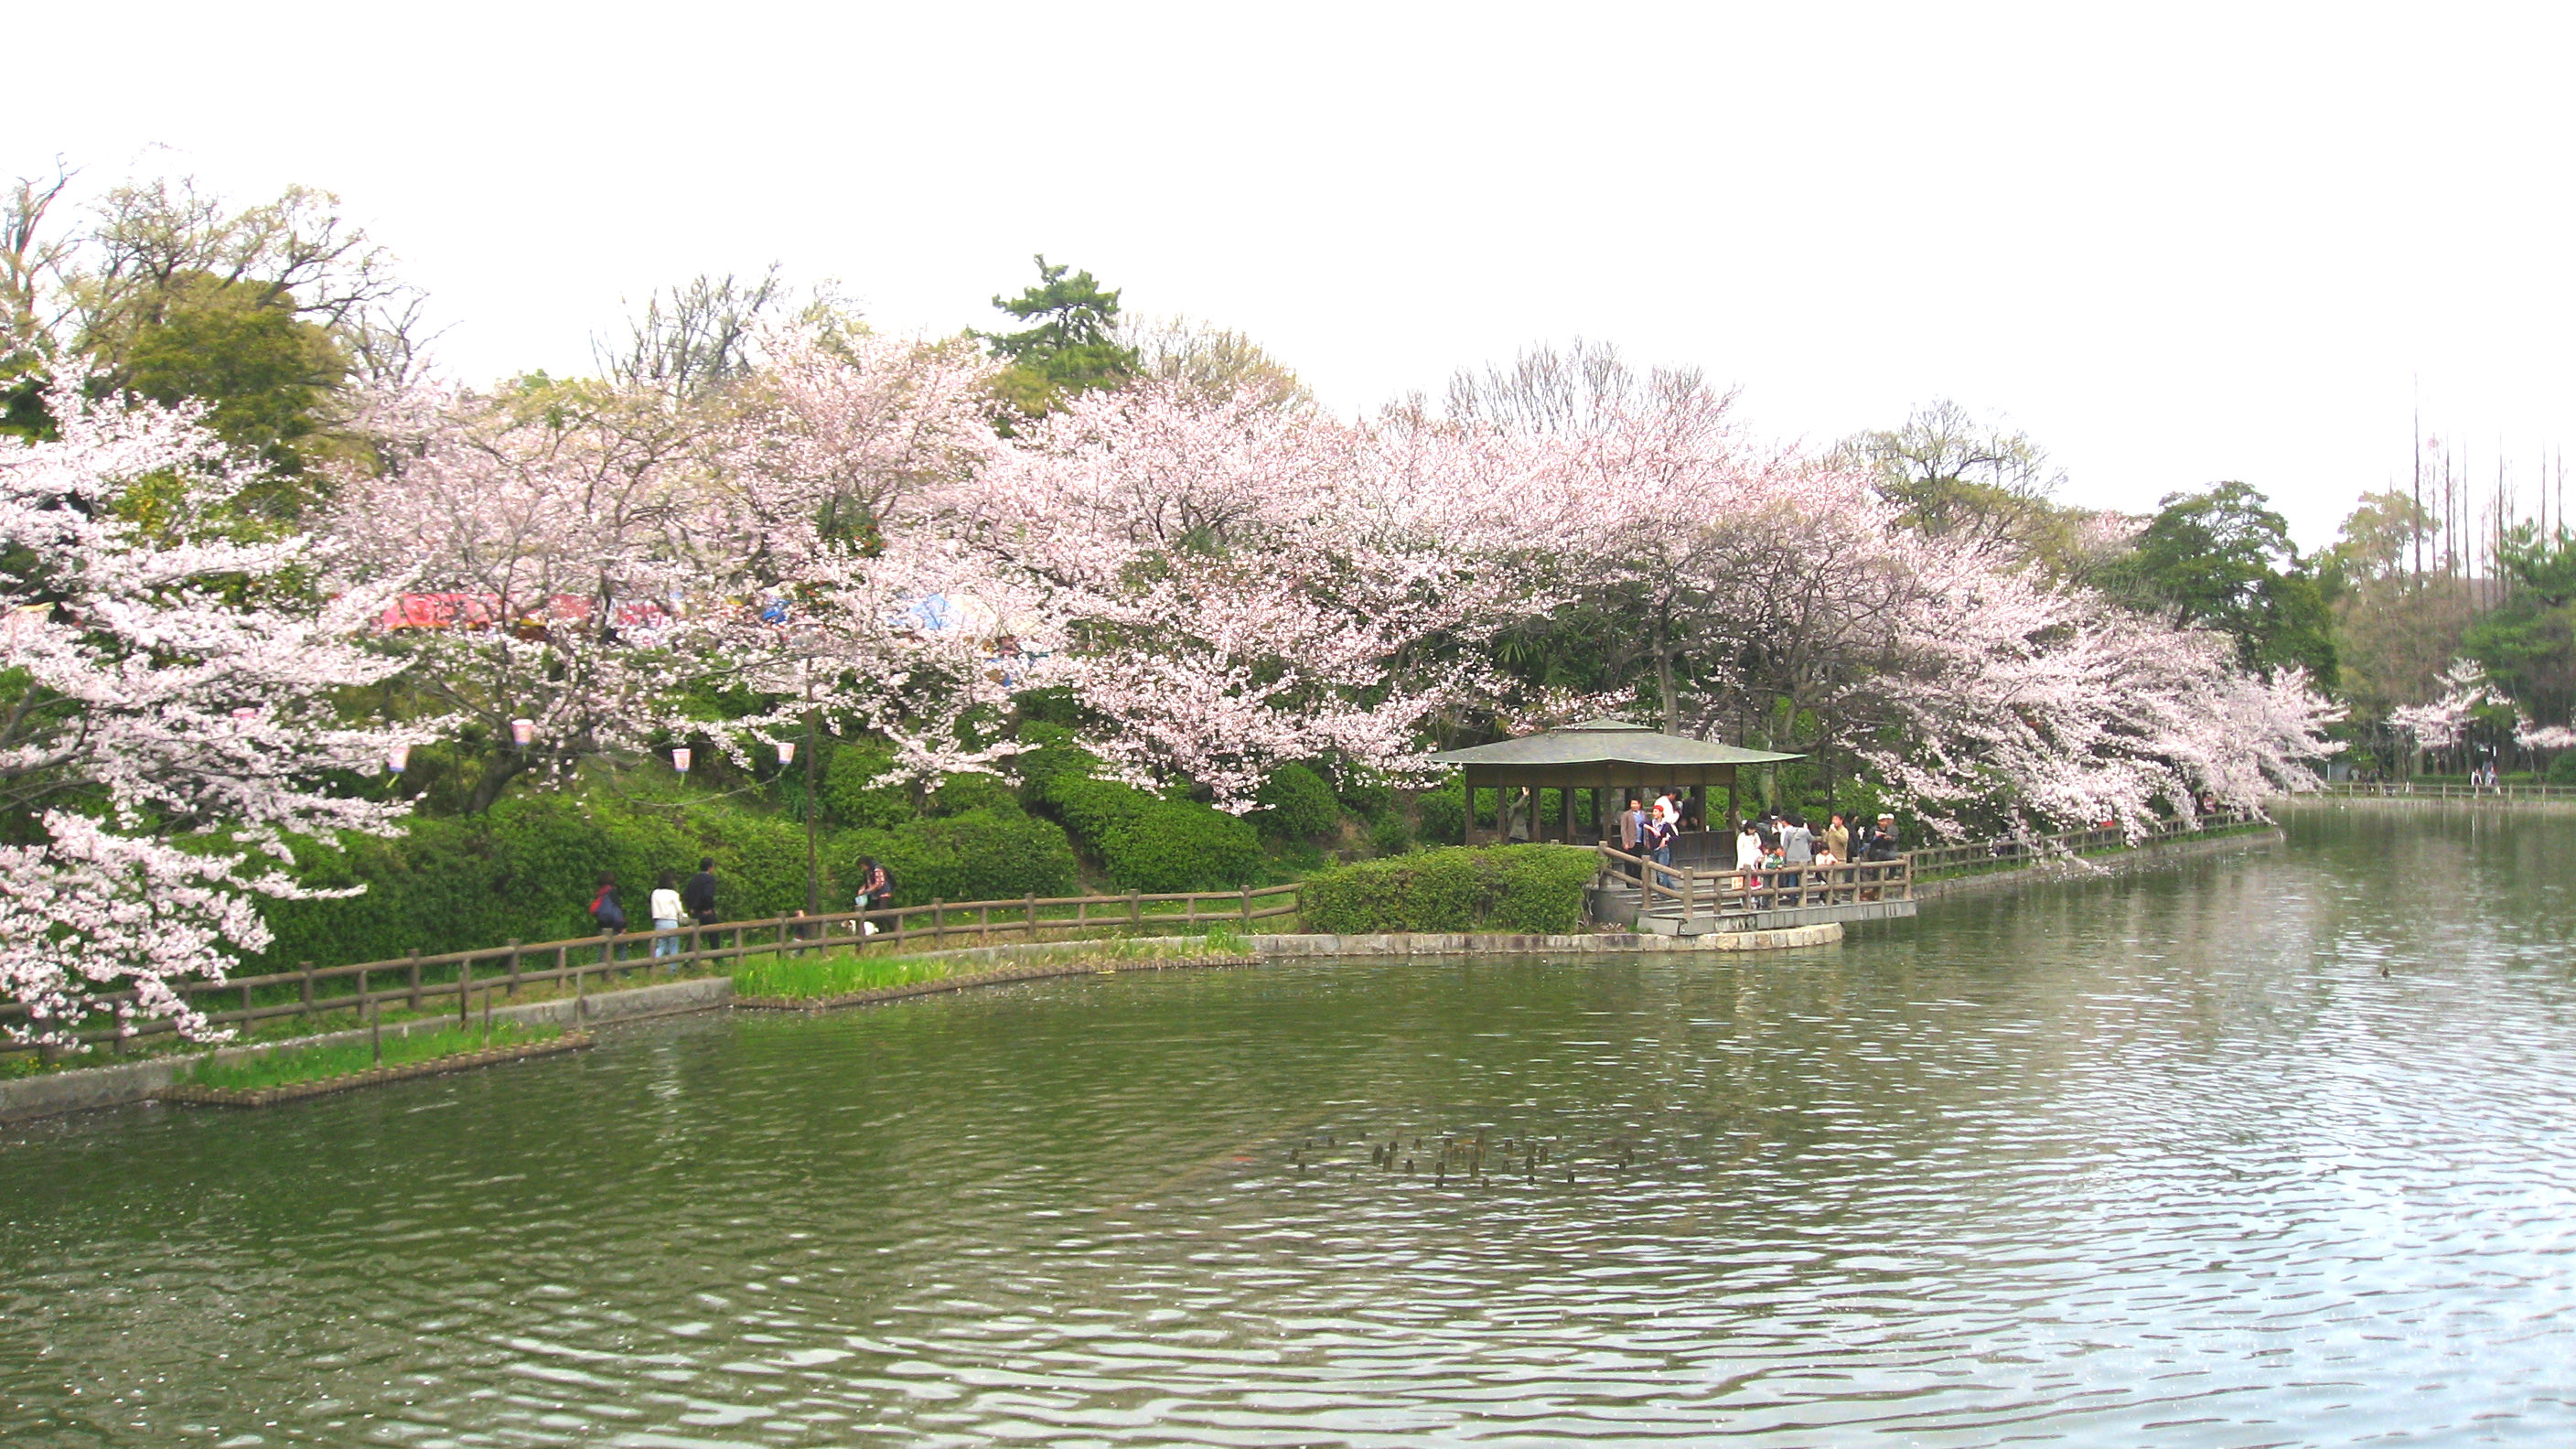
1632, 833
1658, 842
876, 891
666, 916
610, 916
1838, 838
1797, 851
698, 897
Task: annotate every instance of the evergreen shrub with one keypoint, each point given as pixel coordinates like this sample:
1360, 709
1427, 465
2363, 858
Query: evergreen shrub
2562, 770
1444, 813
849, 796
1523, 889
1366, 797
1296, 804
993, 853
1389, 835
1056, 757
525, 869
1149, 842
974, 790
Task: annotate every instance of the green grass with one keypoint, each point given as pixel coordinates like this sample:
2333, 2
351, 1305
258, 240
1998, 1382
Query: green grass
293, 1065
846, 973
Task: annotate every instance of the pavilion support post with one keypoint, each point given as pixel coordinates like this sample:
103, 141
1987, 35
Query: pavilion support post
1565, 813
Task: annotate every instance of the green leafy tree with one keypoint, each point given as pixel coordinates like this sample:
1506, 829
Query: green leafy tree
2223, 560
266, 374
1956, 476
2396, 629
1070, 345
2527, 644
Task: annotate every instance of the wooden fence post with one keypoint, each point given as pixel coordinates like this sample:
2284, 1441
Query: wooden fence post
1247, 908
1032, 904
1136, 910
415, 978
464, 991
308, 988
514, 968
938, 921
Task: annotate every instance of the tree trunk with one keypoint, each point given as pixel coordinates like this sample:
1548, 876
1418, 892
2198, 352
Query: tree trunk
1664, 676
496, 778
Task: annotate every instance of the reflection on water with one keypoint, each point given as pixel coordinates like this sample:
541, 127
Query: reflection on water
2266, 1150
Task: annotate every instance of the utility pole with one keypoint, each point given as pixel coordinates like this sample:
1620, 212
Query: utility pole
813, 870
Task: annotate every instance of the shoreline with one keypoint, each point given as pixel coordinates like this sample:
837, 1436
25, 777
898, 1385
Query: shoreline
119, 1084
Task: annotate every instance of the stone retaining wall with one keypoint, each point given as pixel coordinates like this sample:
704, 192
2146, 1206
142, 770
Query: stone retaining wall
1431, 943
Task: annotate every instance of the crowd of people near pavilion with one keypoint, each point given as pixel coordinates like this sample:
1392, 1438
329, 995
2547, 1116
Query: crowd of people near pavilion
1771, 852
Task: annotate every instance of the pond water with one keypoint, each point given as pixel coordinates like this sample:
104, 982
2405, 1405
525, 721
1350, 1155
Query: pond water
2269, 1149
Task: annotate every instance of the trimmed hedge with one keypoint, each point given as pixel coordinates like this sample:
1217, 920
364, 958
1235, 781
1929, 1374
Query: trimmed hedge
1444, 813
1296, 804
1149, 842
989, 854
525, 870
850, 796
1522, 889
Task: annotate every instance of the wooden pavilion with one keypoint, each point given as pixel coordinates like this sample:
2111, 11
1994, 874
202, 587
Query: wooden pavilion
1611, 760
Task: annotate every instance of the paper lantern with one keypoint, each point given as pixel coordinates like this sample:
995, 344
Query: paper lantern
787, 752
397, 757
680, 759
524, 731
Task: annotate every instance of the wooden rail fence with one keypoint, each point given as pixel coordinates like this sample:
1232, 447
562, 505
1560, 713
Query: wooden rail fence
1695, 891
2443, 790
2017, 850
420, 982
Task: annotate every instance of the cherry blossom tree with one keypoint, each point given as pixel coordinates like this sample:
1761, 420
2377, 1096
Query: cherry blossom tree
544, 538
1243, 584
1752, 590
170, 721
2441, 723
591, 563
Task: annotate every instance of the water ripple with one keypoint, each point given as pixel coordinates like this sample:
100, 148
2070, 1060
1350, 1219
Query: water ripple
2248, 1153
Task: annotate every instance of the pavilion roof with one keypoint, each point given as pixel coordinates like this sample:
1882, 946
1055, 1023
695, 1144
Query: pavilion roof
1607, 741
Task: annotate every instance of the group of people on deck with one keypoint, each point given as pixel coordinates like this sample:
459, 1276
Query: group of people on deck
1769, 843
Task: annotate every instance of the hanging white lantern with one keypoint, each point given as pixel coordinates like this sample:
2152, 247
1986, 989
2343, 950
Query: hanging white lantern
680, 759
524, 731
397, 757
787, 752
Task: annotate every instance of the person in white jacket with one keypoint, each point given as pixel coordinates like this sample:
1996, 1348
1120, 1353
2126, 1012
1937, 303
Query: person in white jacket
666, 914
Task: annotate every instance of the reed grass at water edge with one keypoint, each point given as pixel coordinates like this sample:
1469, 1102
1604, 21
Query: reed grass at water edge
845, 972
293, 1066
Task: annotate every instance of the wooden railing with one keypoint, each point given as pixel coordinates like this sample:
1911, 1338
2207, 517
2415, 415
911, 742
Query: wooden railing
421, 983
2444, 790
2018, 850
1699, 892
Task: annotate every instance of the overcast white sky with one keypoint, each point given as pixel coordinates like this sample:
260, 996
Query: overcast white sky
2175, 244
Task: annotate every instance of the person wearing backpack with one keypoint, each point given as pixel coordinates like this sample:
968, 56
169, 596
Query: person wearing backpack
876, 890
611, 916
